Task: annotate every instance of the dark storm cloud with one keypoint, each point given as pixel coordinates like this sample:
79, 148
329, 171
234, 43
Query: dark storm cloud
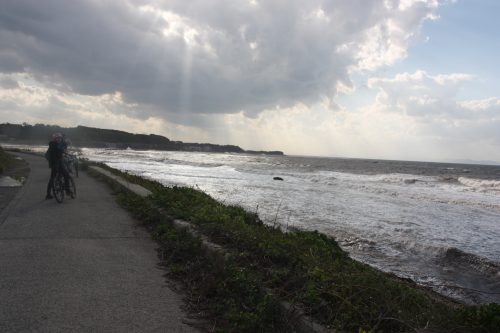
89, 45
215, 56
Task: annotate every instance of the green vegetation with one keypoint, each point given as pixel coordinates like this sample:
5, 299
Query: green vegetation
264, 266
5, 160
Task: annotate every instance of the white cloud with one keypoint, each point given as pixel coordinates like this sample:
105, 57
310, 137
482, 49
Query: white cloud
420, 94
416, 116
32, 103
491, 105
387, 41
443, 126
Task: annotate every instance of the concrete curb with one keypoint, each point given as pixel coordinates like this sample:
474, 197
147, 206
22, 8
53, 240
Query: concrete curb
302, 323
134, 188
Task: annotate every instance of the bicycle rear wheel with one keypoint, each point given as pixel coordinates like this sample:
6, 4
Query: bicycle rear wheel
58, 189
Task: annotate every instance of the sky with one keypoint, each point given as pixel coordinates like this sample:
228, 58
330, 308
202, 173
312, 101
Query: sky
389, 79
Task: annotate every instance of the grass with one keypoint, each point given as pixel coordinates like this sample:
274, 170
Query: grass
6, 160
264, 266
12, 166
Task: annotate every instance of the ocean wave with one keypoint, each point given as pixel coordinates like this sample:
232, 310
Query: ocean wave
356, 242
480, 184
456, 257
390, 178
407, 179
189, 163
444, 256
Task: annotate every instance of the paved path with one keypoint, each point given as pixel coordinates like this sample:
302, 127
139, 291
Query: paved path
82, 265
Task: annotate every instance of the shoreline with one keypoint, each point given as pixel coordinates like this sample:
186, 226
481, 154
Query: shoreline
376, 282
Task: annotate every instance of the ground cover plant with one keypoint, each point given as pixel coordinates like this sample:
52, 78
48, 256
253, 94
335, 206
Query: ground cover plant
263, 266
13, 166
5, 160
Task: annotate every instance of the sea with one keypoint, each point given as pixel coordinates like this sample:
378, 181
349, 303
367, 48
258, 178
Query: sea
437, 224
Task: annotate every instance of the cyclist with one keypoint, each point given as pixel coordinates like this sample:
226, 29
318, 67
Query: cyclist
55, 154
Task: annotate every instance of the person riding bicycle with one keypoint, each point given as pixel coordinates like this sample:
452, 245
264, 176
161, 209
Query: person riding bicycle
55, 156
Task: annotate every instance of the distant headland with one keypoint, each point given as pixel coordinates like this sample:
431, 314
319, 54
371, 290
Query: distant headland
82, 136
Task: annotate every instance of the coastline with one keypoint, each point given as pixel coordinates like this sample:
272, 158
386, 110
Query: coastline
83, 136
448, 310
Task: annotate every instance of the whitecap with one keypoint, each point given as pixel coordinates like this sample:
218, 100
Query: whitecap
480, 184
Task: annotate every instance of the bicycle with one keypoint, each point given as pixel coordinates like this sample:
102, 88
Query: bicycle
59, 189
71, 163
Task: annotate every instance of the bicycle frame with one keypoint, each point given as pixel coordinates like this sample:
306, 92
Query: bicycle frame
59, 188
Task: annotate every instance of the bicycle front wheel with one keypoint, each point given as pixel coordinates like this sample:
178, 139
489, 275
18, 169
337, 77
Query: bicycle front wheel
58, 189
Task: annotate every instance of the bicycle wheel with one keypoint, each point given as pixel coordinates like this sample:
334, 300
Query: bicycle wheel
72, 188
58, 189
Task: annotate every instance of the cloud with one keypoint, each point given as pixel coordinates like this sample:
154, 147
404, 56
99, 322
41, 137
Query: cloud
437, 117
204, 57
415, 116
8, 83
489, 105
420, 94
260, 74
432, 103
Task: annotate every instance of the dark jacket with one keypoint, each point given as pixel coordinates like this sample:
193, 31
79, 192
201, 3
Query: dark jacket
55, 153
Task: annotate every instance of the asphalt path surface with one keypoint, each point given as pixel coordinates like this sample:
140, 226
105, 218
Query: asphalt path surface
83, 265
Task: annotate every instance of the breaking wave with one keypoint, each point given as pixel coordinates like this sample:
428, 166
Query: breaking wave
480, 184
471, 261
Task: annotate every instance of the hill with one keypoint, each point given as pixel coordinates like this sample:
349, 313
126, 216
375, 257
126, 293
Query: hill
82, 136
